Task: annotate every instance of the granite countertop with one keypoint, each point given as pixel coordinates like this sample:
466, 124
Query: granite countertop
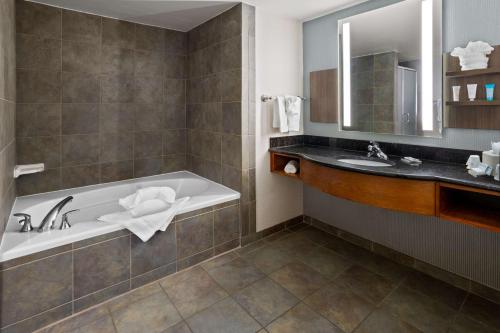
429, 170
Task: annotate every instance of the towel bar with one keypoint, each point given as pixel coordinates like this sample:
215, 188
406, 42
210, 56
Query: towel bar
267, 98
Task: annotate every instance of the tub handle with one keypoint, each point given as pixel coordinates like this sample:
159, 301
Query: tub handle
64, 221
25, 221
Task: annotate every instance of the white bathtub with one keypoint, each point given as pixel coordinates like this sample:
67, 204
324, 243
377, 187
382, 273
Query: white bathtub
94, 201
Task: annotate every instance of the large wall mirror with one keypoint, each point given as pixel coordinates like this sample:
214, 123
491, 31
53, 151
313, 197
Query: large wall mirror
391, 70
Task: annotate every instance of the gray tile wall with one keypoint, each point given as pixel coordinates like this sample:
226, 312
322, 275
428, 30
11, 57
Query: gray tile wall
7, 109
220, 114
99, 100
373, 92
76, 276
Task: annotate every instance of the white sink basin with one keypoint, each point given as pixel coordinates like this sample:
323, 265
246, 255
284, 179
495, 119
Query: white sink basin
363, 162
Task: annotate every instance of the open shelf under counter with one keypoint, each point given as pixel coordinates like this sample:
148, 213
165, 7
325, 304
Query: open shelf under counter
463, 204
279, 161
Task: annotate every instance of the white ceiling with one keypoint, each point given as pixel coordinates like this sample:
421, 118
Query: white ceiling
391, 28
184, 15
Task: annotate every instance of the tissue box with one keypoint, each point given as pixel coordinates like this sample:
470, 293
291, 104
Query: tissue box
490, 158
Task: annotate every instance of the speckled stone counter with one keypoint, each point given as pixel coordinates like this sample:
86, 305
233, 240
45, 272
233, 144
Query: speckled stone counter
429, 170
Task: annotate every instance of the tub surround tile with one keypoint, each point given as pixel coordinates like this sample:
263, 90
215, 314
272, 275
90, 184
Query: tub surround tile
40, 320
37, 52
195, 259
80, 320
80, 57
101, 265
36, 19
93, 75
194, 235
100, 296
153, 275
52, 286
158, 251
81, 27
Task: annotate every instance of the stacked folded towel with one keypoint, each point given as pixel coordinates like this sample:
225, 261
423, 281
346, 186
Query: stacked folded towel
147, 211
292, 167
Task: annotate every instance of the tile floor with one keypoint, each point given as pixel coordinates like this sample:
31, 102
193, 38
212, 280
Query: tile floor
301, 281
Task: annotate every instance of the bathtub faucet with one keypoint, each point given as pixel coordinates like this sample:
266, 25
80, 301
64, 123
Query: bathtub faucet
49, 220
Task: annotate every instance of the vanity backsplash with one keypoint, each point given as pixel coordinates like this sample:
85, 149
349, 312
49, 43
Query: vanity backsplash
437, 154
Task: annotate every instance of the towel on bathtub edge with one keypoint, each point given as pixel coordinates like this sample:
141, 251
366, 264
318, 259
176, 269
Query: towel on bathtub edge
146, 226
142, 195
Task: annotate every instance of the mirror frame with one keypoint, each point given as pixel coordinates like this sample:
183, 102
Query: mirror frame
430, 118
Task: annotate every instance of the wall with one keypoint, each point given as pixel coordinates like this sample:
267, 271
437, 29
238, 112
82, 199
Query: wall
463, 20
279, 71
99, 100
466, 251
219, 113
7, 109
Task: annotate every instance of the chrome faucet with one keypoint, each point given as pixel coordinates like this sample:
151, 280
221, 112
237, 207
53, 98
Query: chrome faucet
49, 220
374, 149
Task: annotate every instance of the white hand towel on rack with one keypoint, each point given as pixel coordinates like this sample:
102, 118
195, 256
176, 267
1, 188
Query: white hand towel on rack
293, 106
280, 119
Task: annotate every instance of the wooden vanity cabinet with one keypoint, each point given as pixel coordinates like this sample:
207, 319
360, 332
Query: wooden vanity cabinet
463, 204
398, 194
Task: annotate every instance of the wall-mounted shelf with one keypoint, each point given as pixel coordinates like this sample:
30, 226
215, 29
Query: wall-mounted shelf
474, 72
479, 114
474, 103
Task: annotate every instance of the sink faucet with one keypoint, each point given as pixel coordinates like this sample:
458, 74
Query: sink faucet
49, 220
374, 149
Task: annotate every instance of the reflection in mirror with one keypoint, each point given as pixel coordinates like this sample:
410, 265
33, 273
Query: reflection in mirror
391, 71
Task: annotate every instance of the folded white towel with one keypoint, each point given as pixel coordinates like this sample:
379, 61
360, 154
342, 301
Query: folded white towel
145, 226
292, 167
280, 119
293, 106
165, 194
149, 207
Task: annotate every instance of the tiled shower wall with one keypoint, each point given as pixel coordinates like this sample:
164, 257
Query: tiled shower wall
7, 109
99, 99
220, 115
374, 88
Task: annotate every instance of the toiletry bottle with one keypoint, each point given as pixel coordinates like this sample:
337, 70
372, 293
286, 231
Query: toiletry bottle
490, 91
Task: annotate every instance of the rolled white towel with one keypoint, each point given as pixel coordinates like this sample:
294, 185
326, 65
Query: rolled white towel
149, 207
292, 167
165, 194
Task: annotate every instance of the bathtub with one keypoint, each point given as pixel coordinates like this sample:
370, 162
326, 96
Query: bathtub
94, 201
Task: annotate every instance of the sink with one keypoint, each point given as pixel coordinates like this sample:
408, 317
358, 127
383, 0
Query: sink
365, 161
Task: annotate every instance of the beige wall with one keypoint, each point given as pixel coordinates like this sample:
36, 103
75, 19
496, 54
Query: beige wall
279, 71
